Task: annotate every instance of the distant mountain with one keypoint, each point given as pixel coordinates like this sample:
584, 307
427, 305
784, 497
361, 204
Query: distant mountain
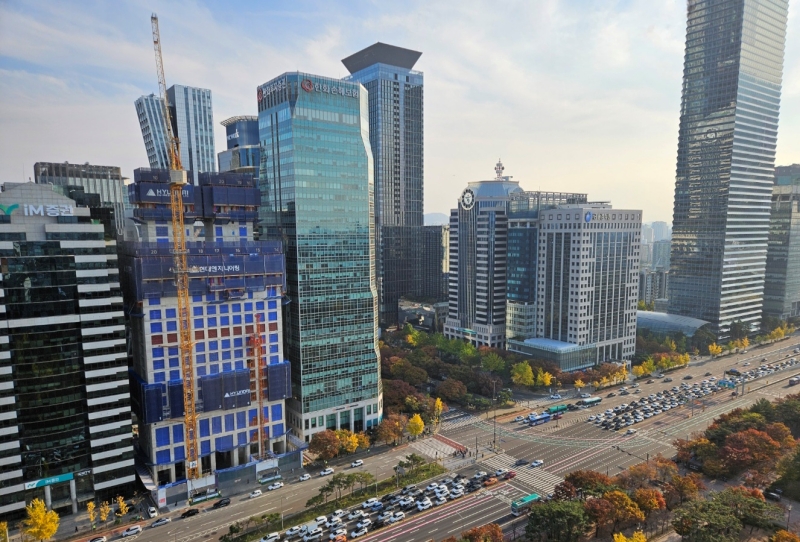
436, 219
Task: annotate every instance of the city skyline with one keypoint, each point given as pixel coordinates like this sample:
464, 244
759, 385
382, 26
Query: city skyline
76, 74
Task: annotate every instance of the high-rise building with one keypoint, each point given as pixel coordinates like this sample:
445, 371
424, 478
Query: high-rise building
648, 234
235, 288
395, 97
787, 175
243, 152
661, 254
588, 280
661, 231
105, 181
317, 197
192, 123
523, 238
726, 160
782, 283
434, 263
653, 284
66, 433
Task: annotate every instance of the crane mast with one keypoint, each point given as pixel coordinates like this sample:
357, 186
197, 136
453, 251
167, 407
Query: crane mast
259, 370
180, 268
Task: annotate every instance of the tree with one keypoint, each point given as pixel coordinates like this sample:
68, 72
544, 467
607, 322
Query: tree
122, 506
522, 374
637, 536
391, 428
600, 511
665, 468
636, 476
714, 349
543, 378
348, 442
438, 408
564, 492
485, 533
105, 510
624, 509
557, 521
649, 500
638, 372
748, 505
324, 444
3, 531
590, 481
748, 447
579, 384
706, 521
492, 362
784, 536
90, 509
415, 461
415, 425
363, 440
40, 523
683, 488
451, 390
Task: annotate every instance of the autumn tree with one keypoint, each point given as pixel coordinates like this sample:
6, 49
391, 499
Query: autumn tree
714, 349
649, 501
105, 510
391, 428
40, 522
638, 475
363, 440
637, 536
564, 491
784, 536
665, 468
522, 374
451, 390
748, 505
324, 445
438, 408
3, 531
579, 384
492, 362
706, 521
543, 378
415, 425
348, 442
90, 509
122, 506
683, 488
747, 448
485, 533
600, 511
624, 509
591, 482
562, 521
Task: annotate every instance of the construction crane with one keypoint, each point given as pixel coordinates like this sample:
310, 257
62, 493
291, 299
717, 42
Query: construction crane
259, 376
177, 183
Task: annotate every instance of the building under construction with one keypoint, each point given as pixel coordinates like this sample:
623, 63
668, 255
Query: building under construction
235, 286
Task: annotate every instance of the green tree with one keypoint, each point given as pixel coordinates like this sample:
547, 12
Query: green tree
522, 374
706, 521
557, 521
493, 362
40, 522
748, 506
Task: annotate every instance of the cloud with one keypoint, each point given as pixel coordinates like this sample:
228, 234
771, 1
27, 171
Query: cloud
577, 96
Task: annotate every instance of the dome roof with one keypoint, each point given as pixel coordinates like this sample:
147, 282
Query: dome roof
495, 188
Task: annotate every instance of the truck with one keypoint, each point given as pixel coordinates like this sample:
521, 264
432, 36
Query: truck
556, 408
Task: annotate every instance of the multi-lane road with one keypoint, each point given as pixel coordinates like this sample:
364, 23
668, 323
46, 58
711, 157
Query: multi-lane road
564, 445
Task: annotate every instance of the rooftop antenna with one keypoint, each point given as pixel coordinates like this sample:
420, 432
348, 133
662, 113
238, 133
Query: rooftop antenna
498, 169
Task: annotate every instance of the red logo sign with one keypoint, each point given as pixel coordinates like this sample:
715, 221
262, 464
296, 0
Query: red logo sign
307, 85
260, 94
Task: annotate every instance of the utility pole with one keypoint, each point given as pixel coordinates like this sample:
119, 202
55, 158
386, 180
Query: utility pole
494, 438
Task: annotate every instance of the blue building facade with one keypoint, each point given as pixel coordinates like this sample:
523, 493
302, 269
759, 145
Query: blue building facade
317, 197
243, 152
236, 285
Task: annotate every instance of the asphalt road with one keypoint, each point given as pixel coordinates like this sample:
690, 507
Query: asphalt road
566, 445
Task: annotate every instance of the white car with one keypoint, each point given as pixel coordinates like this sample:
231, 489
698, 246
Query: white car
432, 486
555, 396
519, 418
338, 532
369, 502
326, 472
480, 474
356, 463
537, 463
293, 531
357, 514
456, 494
385, 515
397, 516
272, 487
256, 493
132, 530
333, 522
321, 520
314, 534
338, 513
161, 521
424, 504
440, 501
358, 532
364, 523
304, 478
152, 512
272, 537
500, 472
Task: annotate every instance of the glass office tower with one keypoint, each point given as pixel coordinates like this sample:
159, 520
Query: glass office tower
316, 195
726, 159
395, 135
782, 283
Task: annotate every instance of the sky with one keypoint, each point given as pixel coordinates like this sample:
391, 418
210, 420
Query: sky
572, 95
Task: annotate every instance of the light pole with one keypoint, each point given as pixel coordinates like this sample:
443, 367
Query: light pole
788, 516
376, 481
281, 512
494, 438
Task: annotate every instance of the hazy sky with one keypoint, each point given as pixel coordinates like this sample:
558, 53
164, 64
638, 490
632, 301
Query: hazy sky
573, 95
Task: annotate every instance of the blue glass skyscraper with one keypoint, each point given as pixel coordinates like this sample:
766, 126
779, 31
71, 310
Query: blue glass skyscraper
317, 197
396, 136
726, 159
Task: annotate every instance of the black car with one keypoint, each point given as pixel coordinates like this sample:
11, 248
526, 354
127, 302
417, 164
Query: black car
612, 394
388, 497
772, 495
190, 512
687, 377
222, 502
650, 381
521, 462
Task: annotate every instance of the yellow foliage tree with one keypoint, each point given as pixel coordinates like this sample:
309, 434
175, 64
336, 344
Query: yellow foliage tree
438, 408
415, 425
669, 344
648, 366
363, 440
543, 378
90, 508
745, 342
714, 349
105, 510
347, 440
784, 536
522, 374
122, 506
637, 536
579, 384
638, 371
41, 523
3, 531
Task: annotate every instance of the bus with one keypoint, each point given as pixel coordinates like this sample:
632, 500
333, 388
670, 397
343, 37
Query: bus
523, 505
591, 401
544, 417
555, 409
795, 380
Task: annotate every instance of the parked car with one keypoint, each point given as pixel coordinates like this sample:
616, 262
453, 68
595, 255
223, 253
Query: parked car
99, 539
369, 502
490, 482
337, 532
772, 495
357, 514
152, 512
555, 396
397, 516
509, 475
271, 537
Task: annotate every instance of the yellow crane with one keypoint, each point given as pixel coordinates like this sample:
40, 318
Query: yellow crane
259, 376
177, 183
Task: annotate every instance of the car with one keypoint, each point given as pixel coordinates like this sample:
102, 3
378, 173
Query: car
397, 516
357, 463
160, 521
221, 503
520, 462
480, 475
519, 418
667, 380
314, 534
152, 512
688, 377
708, 374
132, 530
555, 396
500, 472
424, 504
321, 520
304, 478
651, 381
357, 514
271, 537
360, 531
364, 523
326, 472
255, 493
293, 531
386, 514
369, 502
456, 494
585, 396
772, 495
746, 364
635, 385
432, 486
509, 475
440, 501
272, 487
441, 491
408, 489
339, 531
537, 463
612, 394
189, 513
490, 482
99, 539
630, 432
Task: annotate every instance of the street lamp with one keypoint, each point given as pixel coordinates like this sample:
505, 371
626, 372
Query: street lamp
788, 516
281, 512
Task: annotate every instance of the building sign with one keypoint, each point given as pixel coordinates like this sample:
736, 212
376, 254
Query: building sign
234, 135
310, 86
39, 210
237, 393
49, 481
215, 269
85, 472
7, 210
588, 216
164, 193
266, 90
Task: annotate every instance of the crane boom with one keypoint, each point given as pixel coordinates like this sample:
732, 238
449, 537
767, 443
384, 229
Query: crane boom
180, 268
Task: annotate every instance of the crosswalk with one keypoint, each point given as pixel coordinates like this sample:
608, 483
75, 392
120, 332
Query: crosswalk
433, 448
537, 478
456, 418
